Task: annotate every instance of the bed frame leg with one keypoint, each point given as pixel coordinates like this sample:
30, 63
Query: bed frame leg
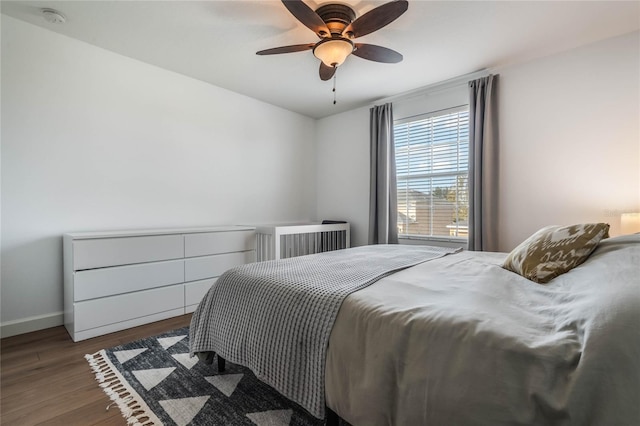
221, 364
332, 418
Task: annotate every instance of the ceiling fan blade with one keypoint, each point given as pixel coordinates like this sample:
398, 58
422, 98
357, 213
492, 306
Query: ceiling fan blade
326, 72
307, 16
376, 18
286, 49
377, 53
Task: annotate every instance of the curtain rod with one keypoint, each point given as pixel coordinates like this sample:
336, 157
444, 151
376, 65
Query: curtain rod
432, 88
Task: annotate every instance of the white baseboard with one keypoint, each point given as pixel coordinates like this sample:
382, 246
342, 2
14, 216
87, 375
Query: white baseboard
27, 325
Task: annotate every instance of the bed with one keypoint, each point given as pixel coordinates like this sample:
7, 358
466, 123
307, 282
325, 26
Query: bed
454, 339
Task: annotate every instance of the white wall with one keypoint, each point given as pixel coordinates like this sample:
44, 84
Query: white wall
569, 143
92, 140
342, 160
570, 140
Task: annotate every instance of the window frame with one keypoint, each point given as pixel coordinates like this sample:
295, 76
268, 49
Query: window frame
461, 241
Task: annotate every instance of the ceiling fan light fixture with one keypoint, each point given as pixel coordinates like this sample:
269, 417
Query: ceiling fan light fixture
334, 51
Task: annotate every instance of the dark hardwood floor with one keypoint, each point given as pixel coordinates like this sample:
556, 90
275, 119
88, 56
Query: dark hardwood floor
45, 380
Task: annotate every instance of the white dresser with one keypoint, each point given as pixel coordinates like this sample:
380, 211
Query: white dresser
121, 279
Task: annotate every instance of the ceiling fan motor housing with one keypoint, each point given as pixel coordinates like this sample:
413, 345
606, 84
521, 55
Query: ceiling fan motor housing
336, 16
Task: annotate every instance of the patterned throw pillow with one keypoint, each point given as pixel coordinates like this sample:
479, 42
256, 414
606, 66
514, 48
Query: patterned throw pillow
554, 250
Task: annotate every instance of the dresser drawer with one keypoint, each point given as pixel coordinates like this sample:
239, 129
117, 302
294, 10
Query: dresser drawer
98, 253
101, 282
195, 291
218, 242
109, 310
199, 268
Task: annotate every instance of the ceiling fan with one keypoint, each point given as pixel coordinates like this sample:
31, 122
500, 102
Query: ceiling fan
336, 26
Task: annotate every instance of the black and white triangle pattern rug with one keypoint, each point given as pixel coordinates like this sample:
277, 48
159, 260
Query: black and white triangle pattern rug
154, 382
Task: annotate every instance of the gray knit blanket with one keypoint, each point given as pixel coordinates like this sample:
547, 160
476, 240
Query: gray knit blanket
276, 317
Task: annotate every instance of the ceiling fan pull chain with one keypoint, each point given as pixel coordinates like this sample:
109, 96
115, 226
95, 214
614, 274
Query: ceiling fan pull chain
334, 87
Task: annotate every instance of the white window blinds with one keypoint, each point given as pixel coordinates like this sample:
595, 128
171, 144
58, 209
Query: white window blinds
432, 166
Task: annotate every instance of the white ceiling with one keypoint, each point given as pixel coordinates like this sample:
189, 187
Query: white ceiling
216, 41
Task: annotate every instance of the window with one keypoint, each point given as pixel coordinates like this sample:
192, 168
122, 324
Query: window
432, 166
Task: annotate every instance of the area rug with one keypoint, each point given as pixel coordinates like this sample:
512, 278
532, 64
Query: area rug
154, 382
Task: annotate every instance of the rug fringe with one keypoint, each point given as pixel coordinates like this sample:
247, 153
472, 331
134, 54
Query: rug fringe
132, 407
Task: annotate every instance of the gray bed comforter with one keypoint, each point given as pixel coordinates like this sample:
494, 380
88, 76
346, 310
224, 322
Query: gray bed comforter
276, 317
461, 341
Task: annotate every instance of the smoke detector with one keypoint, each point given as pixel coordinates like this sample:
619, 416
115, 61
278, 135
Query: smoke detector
53, 16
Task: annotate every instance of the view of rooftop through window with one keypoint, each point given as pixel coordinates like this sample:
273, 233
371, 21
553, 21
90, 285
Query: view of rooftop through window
432, 166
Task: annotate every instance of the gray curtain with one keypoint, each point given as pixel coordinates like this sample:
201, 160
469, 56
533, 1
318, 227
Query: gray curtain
383, 206
483, 164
